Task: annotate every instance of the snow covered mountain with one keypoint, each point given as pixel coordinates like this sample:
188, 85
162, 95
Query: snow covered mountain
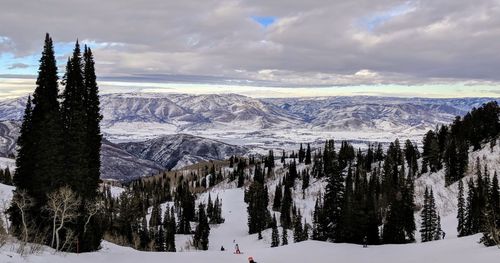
228, 117
175, 151
188, 112
375, 113
9, 132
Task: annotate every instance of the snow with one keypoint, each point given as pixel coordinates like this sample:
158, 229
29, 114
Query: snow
235, 231
116, 191
7, 162
450, 250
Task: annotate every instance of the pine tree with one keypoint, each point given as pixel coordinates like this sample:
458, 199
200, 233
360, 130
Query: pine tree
302, 154
155, 219
210, 207
305, 181
284, 236
200, 238
24, 164
275, 238
435, 229
298, 231
461, 210
333, 198
471, 203
257, 208
41, 155
286, 204
320, 224
439, 231
308, 155
169, 226
425, 227
277, 198
305, 233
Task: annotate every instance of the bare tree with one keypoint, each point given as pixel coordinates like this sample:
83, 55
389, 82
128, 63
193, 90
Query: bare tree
63, 206
92, 208
22, 201
4, 208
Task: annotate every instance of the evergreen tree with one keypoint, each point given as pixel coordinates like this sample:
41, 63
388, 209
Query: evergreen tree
257, 208
430, 152
439, 231
286, 204
275, 238
169, 226
298, 231
320, 223
334, 194
210, 206
7, 178
461, 210
200, 238
471, 222
41, 156
277, 198
308, 155
284, 236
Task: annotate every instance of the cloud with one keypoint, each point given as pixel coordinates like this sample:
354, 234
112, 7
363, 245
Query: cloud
311, 43
18, 65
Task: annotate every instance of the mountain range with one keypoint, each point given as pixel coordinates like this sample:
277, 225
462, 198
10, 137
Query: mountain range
148, 132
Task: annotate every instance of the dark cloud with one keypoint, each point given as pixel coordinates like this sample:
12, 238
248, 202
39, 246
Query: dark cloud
321, 42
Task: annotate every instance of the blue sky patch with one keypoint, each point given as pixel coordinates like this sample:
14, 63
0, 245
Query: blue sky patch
264, 21
373, 21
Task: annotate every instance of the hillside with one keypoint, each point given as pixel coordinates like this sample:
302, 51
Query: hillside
176, 151
128, 161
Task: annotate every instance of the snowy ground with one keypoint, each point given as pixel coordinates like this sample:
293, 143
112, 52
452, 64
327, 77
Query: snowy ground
235, 231
452, 249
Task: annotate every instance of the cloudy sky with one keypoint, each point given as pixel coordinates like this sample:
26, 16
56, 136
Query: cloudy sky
429, 48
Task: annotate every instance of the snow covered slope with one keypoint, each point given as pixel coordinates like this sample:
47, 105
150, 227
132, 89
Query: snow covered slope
176, 151
452, 250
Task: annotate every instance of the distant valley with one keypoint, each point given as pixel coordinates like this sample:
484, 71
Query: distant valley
149, 132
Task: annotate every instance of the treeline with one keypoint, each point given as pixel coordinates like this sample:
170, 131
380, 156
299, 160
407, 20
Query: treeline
448, 145
57, 175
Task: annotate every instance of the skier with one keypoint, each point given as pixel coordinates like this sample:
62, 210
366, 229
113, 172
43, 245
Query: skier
222, 248
443, 233
237, 248
365, 242
250, 260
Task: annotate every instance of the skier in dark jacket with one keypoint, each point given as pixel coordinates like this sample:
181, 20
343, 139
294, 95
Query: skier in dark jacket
365, 241
250, 260
237, 249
